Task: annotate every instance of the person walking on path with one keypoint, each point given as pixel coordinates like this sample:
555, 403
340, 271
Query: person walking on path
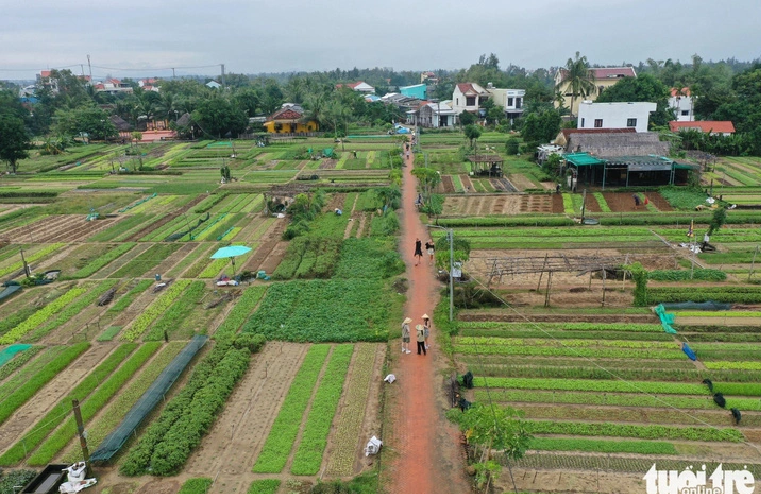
418, 251
406, 335
426, 329
430, 248
420, 339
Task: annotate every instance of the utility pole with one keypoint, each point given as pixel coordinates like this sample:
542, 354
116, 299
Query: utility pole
24, 264
451, 277
89, 68
753, 263
81, 429
223, 75
172, 73
584, 206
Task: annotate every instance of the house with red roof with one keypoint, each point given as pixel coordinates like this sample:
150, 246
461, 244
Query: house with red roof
468, 96
289, 119
712, 127
361, 87
602, 78
428, 77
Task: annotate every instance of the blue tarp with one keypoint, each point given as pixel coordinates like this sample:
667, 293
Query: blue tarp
9, 290
688, 351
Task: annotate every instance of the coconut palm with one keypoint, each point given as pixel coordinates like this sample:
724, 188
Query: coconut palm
579, 77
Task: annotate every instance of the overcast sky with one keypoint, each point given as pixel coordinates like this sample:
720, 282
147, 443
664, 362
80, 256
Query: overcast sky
252, 36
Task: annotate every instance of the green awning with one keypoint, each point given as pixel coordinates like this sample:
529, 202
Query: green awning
583, 159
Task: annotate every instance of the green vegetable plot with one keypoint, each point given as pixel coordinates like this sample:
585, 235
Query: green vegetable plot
284, 430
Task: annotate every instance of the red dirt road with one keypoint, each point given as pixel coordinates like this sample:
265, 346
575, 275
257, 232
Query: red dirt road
421, 452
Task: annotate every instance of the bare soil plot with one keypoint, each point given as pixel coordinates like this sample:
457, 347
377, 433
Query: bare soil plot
46, 398
481, 204
55, 228
557, 203
537, 203
521, 182
657, 199
621, 202
502, 184
447, 184
229, 450
466, 183
268, 246
328, 164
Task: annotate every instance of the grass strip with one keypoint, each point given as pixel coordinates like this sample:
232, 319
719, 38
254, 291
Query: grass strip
129, 297
158, 307
651, 387
711, 434
98, 263
284, 430
266, 486
546, 351
613, 399
244, 307
98, 429
92, 405
40, 316
196, 486
308, 457
602, 446
179, 310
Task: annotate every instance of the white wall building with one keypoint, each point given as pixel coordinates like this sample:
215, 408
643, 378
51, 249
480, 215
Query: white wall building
682, 104
468, 96
509, 99
614, 115
440, 114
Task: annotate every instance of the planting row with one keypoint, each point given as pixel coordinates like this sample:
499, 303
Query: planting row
165, 446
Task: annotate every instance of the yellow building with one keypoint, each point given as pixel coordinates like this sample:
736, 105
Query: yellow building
603, 79
289, 121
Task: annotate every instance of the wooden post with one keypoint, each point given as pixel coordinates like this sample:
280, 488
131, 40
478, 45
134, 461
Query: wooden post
81, 429
547, 293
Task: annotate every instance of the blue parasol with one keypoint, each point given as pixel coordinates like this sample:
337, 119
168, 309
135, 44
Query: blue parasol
231, 251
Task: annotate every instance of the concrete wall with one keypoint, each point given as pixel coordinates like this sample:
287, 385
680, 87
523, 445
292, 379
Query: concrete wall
614, 115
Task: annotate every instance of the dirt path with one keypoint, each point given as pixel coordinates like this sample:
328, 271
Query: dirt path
227, 453
420, 449
50, 394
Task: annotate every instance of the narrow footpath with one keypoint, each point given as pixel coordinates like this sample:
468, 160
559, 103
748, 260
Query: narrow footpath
421, 448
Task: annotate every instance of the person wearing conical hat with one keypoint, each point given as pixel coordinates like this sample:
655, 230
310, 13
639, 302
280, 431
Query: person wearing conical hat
420, 339
406, 335
426, 328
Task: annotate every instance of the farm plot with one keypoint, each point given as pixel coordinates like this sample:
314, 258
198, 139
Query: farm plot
613, 388
481, 205
64, 227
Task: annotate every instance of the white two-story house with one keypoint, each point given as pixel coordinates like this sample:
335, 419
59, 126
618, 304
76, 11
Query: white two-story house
468, 96
614, 115
681, 103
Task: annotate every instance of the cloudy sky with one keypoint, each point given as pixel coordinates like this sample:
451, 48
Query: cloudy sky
252, 36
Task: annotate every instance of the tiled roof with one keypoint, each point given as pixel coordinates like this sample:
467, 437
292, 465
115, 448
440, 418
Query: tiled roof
467, 87
286, 114
707, 126
685, 91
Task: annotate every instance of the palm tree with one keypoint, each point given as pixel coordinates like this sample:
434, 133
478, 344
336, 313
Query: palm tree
579, 77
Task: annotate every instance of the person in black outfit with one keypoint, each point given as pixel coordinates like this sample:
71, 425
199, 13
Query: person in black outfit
418, 251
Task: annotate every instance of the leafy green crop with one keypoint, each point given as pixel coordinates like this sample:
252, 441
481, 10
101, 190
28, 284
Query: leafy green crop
244, 306
30, 258
92, 405
602, 446
179, 310
196, 486
308, 457
284, 430
138, 266
632, 430
158, 307
305, 310
40, 316
267, 486
97, 264
127, 299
